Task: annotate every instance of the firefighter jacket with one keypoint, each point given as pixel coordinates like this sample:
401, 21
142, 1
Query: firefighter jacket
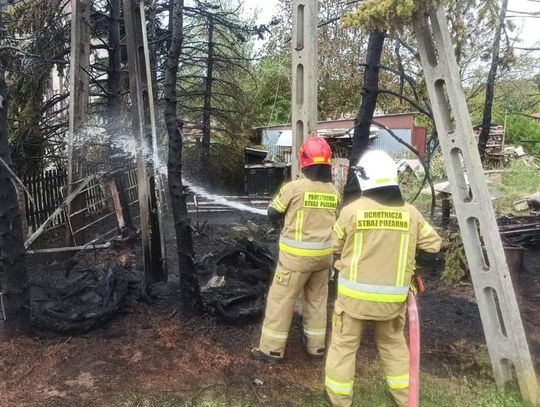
305, 243
378, 246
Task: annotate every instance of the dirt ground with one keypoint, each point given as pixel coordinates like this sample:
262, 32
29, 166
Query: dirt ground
151, 350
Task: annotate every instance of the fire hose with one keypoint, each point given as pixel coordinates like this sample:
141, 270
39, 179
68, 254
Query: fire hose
414, 345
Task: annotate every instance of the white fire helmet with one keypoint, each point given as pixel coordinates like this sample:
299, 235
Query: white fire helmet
376, 169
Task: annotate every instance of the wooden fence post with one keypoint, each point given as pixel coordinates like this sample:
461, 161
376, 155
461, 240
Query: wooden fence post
22, 208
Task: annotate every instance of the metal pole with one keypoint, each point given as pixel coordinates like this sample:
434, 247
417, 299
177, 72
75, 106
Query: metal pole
79, 91
73, 65
503, 329
150, 234
304, 76
137, 115
158, 191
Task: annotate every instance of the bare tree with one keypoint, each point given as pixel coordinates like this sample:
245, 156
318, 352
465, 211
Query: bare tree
370, 92
115, 60
490, 84
189, 288
13, 277
216, 58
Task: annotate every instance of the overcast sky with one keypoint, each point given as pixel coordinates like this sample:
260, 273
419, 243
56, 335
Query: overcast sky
530, 27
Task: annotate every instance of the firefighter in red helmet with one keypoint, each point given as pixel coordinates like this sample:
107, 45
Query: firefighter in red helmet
307, 207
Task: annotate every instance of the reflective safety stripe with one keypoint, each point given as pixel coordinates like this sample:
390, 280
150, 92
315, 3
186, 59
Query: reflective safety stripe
306, 245
299, 226
339, 232
426, 229
357, 252
371, 292
398, 382
386, 181
336, 387
304, 252
319, 333
403, 259
307, 249
319, 160
279, 205
275, 335
372, 288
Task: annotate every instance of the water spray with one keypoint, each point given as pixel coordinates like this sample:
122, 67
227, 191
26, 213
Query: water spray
124, 141
223, 201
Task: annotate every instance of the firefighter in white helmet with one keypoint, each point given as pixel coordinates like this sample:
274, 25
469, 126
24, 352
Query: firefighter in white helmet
377, 237
308, 209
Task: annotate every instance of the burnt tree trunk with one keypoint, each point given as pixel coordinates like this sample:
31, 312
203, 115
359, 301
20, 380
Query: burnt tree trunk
490, 84
152, 39
207, 112
362, 122
189, 287
115, 62
13, 276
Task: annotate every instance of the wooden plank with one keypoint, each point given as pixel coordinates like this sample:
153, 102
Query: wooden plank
61, 193
27, 208
130, 229
58, 210
115, 196
54, 188
70, 249
36, 199
30, 206
56, 192
48, 192
35, 207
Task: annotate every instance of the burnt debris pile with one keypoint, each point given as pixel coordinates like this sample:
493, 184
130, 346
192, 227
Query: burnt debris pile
86, 300
234, 281
520, 230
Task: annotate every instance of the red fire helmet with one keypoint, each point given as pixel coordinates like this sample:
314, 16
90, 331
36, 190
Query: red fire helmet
315, 150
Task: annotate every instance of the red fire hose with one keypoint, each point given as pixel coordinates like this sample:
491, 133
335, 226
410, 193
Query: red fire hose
414, 347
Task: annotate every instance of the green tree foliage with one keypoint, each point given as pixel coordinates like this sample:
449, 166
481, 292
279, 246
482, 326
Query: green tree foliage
391, 15
340, 52
472, 25
213, 68
269, 91
37, 37
525, 131
213, 99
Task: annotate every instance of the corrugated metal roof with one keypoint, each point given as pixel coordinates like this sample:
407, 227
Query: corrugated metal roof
287, 126
384, 141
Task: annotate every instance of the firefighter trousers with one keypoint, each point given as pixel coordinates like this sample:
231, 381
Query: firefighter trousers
284, 291
341, 357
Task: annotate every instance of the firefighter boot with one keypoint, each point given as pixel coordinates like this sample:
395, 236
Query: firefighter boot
257, 354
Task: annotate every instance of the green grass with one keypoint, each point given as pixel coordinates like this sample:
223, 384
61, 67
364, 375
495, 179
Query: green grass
442, 390
518, 181
410, 185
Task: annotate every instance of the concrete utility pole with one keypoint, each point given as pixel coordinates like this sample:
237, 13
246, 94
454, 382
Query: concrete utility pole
156, 180
79, 93
304, 75
503, 329
143, 125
